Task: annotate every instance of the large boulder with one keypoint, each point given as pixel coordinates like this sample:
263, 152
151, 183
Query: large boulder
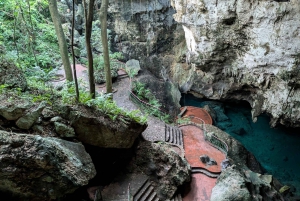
231, 185
242, 178
244, 185
10, 75
156, 170
40, 168
27, 121
164, 166
12, 110
100, 130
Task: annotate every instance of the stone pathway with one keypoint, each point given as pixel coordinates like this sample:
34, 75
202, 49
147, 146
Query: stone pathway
156, 128
190, 137
204, 175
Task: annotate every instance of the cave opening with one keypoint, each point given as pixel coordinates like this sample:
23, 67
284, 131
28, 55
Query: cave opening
277, 149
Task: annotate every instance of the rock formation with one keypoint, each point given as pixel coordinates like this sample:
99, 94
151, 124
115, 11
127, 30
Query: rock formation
155, 163
242, 50
242, 179
11, 75
39, 168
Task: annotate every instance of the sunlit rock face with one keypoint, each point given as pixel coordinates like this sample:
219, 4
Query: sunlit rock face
244, 50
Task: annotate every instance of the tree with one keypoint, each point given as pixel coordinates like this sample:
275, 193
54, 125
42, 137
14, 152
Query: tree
103, 20
61, 39
89, 12
73, 55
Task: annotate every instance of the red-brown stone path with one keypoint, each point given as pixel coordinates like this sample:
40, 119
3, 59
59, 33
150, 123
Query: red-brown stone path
197, 112
195, 145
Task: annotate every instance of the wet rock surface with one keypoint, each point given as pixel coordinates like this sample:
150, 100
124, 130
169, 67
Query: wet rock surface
38, 168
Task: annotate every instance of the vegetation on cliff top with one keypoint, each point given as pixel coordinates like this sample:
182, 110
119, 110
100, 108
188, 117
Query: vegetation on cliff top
28, 40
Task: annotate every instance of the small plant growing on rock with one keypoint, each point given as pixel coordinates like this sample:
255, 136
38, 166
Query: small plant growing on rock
153, 106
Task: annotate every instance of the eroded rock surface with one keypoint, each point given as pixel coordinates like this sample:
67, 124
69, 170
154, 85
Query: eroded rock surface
40, 168
244, 185
245, 50
100, 131
165, 167
243, 178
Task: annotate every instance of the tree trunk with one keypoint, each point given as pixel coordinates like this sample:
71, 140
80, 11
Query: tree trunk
61, 39
103, 20
73, 55
89, 11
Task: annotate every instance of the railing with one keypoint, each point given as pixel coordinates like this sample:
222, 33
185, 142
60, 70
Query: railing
209, 137
188, 121
144, 103
216, 142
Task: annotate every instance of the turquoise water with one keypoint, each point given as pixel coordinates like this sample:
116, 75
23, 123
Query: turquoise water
277, 149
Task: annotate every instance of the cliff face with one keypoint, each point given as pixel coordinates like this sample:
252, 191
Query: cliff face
233, 49
245, 50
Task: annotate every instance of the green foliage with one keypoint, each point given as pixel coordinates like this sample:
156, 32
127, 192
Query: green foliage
28, 38
102, 102
131, 72
3, 88
117, 56
28, 34
140, 90
115, 65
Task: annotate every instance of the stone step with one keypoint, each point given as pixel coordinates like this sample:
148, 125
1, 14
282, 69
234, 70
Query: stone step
177, 136
152, 196
167, 133
147, 194
180, 137
142, 191
174, 135
177, 198
171, 135
156, 199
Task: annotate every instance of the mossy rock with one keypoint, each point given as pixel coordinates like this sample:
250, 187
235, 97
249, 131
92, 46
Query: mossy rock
10, 75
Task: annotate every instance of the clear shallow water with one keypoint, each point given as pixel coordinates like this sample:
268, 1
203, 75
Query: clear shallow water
277, 149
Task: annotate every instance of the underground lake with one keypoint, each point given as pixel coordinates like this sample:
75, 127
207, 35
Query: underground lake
277, 149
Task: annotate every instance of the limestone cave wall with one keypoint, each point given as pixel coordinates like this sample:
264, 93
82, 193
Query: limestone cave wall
219, 49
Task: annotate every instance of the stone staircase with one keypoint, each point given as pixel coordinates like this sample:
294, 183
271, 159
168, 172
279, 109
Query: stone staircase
173, 135
147, 193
